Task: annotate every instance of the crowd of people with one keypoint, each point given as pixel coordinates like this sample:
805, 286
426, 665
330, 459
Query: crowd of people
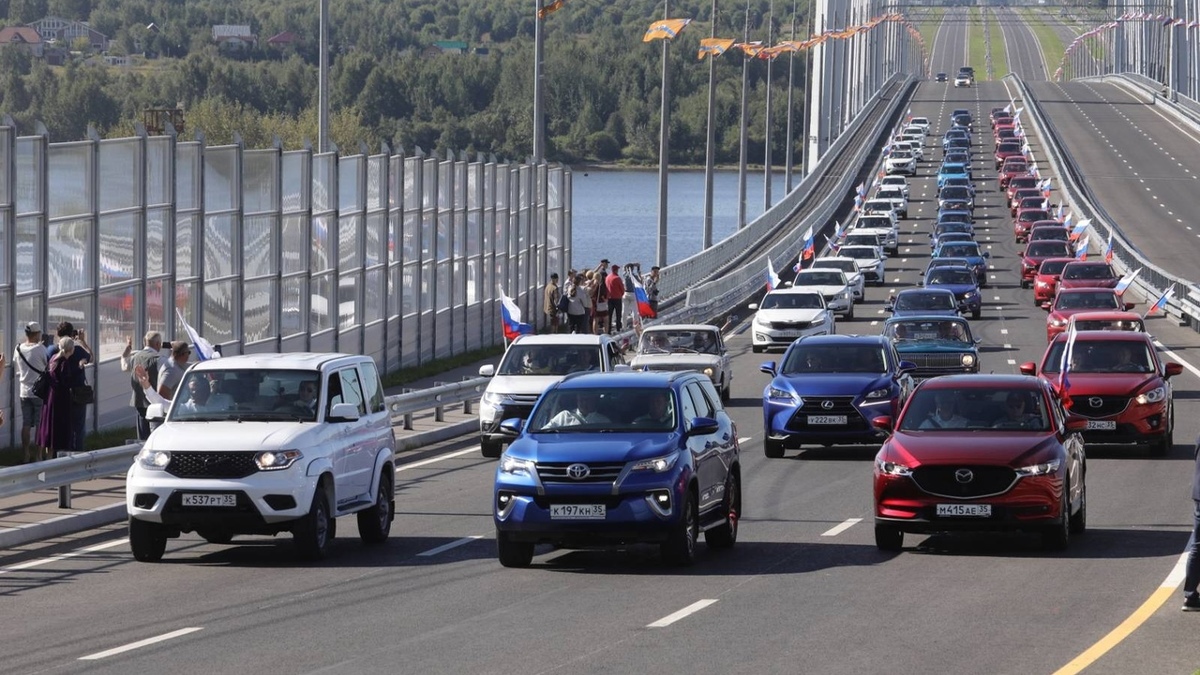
599, 300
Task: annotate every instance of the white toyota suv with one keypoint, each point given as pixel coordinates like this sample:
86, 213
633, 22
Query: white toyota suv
263, 444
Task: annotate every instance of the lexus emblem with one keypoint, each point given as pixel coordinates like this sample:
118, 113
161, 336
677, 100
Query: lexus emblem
1095, 401
828, 405
578, 471
964, 475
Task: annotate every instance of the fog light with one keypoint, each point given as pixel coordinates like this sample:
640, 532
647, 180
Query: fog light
504, 503
660, 501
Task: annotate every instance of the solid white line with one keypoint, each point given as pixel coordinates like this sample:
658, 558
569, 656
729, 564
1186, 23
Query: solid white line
52, 559
686, 611
446, 547
140, 643
1194, 370
842, 527
743, 439
1177, 573
434, 460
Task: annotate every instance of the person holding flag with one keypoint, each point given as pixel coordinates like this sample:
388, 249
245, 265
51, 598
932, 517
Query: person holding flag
204, 349
644, 310
1160, 305
1125, 282
510, 318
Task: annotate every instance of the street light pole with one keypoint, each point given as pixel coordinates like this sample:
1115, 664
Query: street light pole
539, 44
790, 97
710, 154
767, 131
323, 81
741, 222
664, 145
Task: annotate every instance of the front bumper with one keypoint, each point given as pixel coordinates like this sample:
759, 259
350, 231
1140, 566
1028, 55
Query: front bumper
771, 338
630, 517
265, 499
789, 425
1032, 503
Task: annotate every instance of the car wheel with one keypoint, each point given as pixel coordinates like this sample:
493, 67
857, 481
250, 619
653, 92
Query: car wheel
513, 553
147, 541
1079, 518
680, 547
375, 523
888, 538
490, 449
314, 530
215, 536
725, 536
1055, 537
850, 314
975, 313
1036, 303
726, 394
772, 448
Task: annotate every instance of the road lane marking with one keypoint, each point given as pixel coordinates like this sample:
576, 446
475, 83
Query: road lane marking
743, 439
1156, 600
841, 527
55, 558
683, 613
140, 643
446, 547
1194, 370
434, 460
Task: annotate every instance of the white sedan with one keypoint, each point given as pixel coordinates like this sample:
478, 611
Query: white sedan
786, 314
833, 285
870, 261
847, 266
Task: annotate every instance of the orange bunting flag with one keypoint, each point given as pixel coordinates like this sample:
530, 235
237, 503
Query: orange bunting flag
713, 47
550, 8
750, 49
666, 29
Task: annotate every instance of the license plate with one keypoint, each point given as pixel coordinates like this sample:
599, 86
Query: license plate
1102, 425
210, 500
578, 511
826, 419
790, 336
965, 510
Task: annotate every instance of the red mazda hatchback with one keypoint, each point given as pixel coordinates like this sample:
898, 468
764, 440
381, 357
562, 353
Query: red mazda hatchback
980, 453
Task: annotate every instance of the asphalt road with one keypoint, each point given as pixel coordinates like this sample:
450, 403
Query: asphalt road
804, 591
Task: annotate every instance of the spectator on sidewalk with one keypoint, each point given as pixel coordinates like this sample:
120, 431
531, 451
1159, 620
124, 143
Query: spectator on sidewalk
650, 283
56, 430
151, 359
577, 316
550, 303
29, 362
81, 356
616, 295
170, 373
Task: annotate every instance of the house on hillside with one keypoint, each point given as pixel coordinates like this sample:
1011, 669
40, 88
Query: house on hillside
65, 32
284, 39
22, 36
445, 47
233, 37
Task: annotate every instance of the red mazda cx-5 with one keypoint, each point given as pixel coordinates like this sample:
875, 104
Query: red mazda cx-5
1089, 274
1035, 253
1068, 301
980, 452
1045, 283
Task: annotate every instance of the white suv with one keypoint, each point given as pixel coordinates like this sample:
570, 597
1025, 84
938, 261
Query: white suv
262, 444
901, 161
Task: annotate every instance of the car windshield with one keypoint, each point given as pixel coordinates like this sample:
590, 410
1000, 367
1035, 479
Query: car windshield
604, 411
1134, 325
902, 153
819, 279
948, 237
1031, 202
925, 330
1008, 147
1100, 356
673, 341
848, 266
950, 275
929, 301
1088, 272
791, 301
975, 409
889, 193
953, 168
877, 205
960, 250
1049, 234
955, 192
954, 217
952, 228
1023, 182
1033, 215
874, 221
862, 239
248, 395
544, 359
834, 359
1045, 248
858, 253
1012, 165
1052, 267
1084, 300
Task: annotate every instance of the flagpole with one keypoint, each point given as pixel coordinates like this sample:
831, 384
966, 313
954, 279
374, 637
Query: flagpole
710, 153
767, 134
539, 44
790, 91
664, 145
745, 113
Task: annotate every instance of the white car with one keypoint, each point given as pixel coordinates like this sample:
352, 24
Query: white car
832, 284
881, 207
900, 161
922, 122
786, 314
870, 260
699, 347
848, 267
262, 444
897, 197
921, 131
895, 182
883, 223
962, 80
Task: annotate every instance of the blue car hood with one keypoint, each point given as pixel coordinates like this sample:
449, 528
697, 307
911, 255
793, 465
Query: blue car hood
957, 289
832, 384
593, 446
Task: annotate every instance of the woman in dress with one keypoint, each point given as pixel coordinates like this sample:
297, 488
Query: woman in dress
55, 429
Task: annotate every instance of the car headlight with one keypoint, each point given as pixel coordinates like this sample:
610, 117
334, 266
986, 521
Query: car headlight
776, 394
709, 372
492, 398
892, 468
275, 460
879, 393
1042, 284
657, 464
516, 467
1057, 321
968, 360
1155, 395
1043, 469
971, 294
155, 460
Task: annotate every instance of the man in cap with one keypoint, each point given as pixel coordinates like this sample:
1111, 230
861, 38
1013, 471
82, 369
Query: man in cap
29, 362
550, 302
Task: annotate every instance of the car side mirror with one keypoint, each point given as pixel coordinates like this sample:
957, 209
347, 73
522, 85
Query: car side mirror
1130, 305
343, 412
906, 367
769, 368
1170, 369
487, 370
883, 422
155, 411
1021, 253
512, 426
1028, 368
702, 426
752, 306
987, 254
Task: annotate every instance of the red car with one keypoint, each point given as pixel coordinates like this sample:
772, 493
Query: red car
1089, 274
1012, 167
1035, 253
980, 453
1116, 382
1108, 321
1051, 232
1004, 132
1014, 184
1020, 194
1005, 150
1045, 282
1025, 219
1070, 301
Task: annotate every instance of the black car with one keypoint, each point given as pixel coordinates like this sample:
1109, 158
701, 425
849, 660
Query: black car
941, 77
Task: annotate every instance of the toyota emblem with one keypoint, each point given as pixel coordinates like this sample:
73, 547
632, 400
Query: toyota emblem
1095, 401
964, 475
578, 471
828, 405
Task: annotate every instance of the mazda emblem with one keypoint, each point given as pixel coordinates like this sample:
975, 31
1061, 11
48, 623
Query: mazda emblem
964, 475
1095, 401
578, 471
828, 405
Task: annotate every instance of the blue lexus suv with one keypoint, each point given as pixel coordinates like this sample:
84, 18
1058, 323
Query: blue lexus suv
610, 459
827, 389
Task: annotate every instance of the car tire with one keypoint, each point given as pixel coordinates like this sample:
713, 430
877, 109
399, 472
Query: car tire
680, 547
889, 538
490, 449
975, 313
1024, 283
375, 522
850, 314
726, 392
1036, 303
313, 532
215, 536
513, 553
772, 448
147, 541
1056, 537
725, 535
1079, 518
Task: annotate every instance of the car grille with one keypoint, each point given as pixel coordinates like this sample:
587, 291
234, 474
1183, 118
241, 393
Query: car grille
943, 481
526, 399
1108, 405
934, 360
790, 325
599, 472
212, 464
838, 405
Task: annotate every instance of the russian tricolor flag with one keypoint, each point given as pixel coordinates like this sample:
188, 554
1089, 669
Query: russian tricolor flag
203, 348
643, 301
1161, 303
1081, 249
1108, 249
808, 250
510, 317
1065, 365
1126, 281
772, 277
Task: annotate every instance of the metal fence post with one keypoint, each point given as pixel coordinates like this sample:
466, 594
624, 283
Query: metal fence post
64, 491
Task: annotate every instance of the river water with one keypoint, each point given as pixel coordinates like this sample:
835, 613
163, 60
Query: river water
615, 213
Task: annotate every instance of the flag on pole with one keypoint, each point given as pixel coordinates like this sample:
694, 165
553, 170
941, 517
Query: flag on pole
772, 277
861, 190
807, 252
1058, 211
1064, 365
1081, 249
1108, 249
833, 245
1067, 219
550, 8
1025, 149
644, 309
713, 47
1126, 281
666, 29
1161, 303
510, 317
203, 348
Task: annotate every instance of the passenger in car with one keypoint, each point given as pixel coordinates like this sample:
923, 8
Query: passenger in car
585, 411
659, 412
944, 415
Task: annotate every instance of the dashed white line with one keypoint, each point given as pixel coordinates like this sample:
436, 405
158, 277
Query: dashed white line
681, 614
446, 547
841, 527
434, 460
55, 558
1012, 362
141, 643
